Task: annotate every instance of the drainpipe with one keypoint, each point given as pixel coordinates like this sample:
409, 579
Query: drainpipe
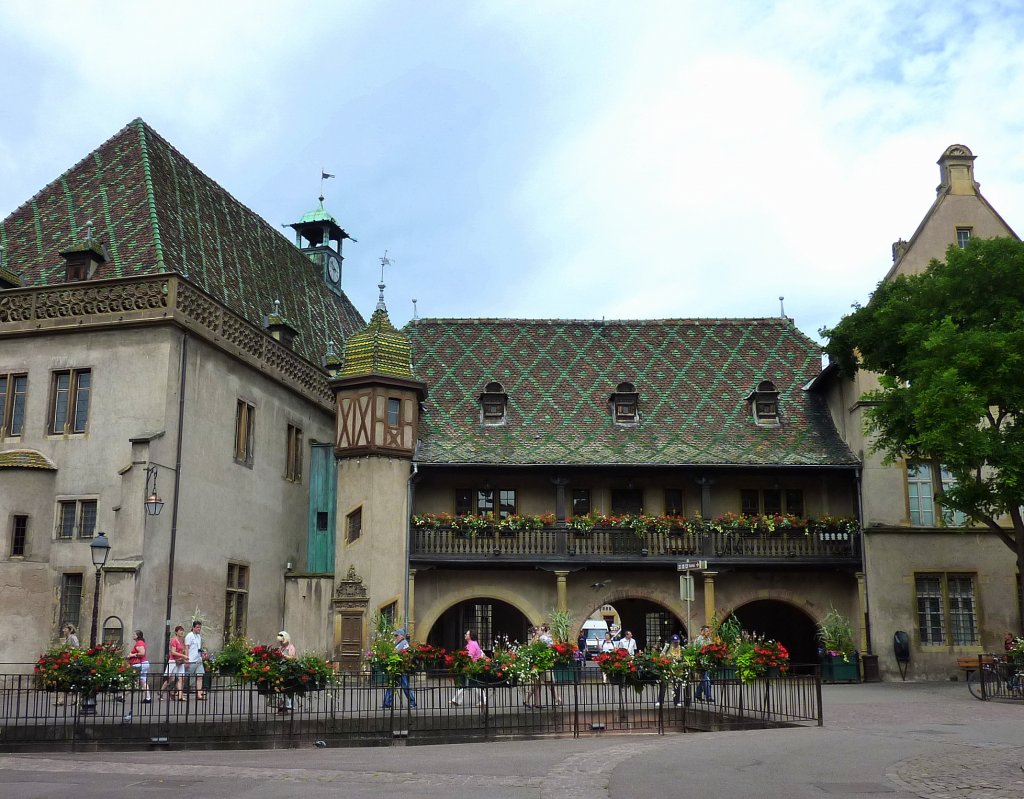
863, 557
177, 486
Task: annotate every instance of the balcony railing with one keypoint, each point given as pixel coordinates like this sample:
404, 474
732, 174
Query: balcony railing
555, 543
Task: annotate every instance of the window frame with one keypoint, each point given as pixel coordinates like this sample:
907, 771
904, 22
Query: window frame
12, 404
393, 411
669, 507
786, 498
82, 524
64, 606
354, 525
19, 535
236, 600
471, 501
581, 501
964, 234
72, 401
245, 432
951, 617
293, 454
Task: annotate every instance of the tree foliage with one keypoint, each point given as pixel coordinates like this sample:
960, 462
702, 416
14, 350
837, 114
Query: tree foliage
948, 346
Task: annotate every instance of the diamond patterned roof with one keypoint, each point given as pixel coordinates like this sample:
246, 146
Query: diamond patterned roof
155, 211
693, 379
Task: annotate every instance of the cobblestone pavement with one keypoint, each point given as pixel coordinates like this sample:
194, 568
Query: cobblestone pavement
900, 741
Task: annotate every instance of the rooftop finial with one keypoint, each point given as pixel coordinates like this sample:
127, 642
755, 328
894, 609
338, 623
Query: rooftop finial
384, 261
415, 315
88, 230
277, 307
782, 308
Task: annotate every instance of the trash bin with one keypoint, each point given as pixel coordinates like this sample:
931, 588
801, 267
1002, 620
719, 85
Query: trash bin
869, 664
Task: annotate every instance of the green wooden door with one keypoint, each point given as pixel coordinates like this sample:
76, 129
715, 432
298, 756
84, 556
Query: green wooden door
322, 485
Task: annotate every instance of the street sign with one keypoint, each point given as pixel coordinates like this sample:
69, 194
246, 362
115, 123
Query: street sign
686, 588
686, 565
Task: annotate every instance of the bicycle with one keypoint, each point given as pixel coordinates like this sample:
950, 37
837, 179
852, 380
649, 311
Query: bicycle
992, 677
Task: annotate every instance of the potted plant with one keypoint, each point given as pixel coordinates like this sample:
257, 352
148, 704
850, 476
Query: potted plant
231, 657
426, 657
837, 651
387, 664
86, 672
584, 524
772, 657
621, 668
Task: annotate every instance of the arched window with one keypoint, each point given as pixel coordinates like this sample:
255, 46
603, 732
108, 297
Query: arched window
493, 404
624, 404
765, 404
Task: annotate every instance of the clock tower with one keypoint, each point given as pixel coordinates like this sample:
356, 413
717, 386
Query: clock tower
319, 235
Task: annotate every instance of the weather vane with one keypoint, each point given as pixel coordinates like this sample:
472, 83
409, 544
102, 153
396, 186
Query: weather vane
323, 176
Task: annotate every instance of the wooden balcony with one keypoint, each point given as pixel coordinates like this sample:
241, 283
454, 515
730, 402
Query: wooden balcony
559, 545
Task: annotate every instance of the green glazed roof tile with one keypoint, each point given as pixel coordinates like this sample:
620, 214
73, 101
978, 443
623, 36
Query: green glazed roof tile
378, 349
155, 211
693, 379
25, 459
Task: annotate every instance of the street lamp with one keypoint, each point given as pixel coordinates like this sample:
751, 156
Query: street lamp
153, 502
99, 548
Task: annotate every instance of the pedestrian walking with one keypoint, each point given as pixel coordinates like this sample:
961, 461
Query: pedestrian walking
138, 659
475, 653
401, 644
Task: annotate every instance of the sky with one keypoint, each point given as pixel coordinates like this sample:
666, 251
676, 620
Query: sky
574, 160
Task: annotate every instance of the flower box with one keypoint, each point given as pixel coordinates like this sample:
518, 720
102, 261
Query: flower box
567, 674
834, 669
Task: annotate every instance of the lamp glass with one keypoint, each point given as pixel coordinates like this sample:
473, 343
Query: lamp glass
154, 504
99, 548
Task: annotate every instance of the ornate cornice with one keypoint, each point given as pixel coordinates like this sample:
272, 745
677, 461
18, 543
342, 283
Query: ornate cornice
158, 299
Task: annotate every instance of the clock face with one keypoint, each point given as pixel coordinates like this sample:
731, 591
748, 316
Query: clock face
333, 268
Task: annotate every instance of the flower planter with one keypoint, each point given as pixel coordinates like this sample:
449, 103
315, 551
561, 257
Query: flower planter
834, 669
567, 674
721, 674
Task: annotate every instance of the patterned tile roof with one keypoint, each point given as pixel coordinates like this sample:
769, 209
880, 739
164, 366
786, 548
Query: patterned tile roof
693, 379
155, 211
25, 459
380, 349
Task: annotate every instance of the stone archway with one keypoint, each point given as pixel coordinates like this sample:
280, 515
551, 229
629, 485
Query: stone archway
427, 620
785, 622
491, 619
652, 622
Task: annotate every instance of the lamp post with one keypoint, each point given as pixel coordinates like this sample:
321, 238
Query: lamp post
99, 548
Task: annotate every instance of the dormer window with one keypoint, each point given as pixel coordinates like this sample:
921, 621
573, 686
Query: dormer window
493, 404
765, 403
624, 404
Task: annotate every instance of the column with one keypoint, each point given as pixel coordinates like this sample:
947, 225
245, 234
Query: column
709, 596
862, 600
560, 588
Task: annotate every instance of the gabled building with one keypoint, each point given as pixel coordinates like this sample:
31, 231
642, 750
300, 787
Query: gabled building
949, 586
160, 341
532, 423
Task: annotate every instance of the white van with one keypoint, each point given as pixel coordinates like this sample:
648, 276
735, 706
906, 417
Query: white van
594, 630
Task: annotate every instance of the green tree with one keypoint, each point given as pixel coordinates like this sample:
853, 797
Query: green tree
948, 346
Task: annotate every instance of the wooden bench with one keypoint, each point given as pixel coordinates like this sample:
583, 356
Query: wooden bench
971, 662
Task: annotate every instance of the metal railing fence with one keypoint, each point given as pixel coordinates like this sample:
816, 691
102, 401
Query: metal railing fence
352, 711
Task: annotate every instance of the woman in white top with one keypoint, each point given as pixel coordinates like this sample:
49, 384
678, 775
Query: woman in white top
284, 643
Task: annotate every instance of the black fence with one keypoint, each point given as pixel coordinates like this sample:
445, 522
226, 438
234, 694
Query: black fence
354, 712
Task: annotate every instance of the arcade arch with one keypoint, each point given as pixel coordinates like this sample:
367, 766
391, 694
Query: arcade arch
489, 617
784, 622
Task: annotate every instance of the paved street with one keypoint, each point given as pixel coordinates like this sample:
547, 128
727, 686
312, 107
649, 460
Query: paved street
894, 740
